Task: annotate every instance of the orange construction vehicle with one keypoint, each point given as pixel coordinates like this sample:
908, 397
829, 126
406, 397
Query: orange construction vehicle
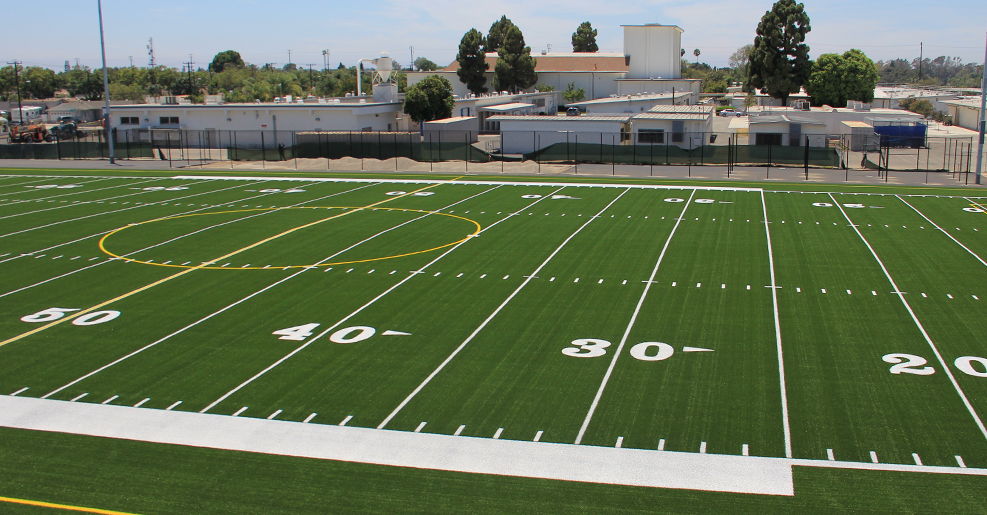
30, 133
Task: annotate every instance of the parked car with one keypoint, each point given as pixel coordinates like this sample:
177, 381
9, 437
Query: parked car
67, 131
729, 112
572, 111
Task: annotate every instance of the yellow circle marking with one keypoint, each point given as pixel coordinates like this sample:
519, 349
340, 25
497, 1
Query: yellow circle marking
278, 267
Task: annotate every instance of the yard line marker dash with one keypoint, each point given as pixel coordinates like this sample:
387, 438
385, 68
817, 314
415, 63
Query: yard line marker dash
576, 281
829, 455
79, 397
239, 411
748, 286
661, 444
673, 284
272, 415
702, 448
949, 295
600, 282
823, 290
552, 279
723, 286
918, 460
460, 274
625, 281
111, 399
630, 324
538, 436
798, 290
309, 418
848, 292
975, 297
141, 403
460, 430
873, 457
872, 292
499, 432
924, 295
620, 442
482, 276
506, 276
959, 461
173, 406
345, 420
745, 450
699, 285
22, 390
420, 427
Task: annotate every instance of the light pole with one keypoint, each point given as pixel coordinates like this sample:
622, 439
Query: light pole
983, 120
106, 83
325, 59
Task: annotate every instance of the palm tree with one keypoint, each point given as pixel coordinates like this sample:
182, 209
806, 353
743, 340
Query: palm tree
696, 53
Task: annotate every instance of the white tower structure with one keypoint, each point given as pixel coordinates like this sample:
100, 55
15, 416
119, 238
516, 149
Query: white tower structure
385, 88
653, 51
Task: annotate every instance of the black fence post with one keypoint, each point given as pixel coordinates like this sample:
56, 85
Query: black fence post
168, 139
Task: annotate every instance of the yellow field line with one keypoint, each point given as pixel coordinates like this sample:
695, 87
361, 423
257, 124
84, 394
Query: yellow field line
43, 504
974, 204
188, 270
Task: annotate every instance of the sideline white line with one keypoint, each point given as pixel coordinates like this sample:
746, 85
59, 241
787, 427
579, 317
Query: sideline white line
496, 311
972, 253
630, 325
503, 457
475, 183
781, 360
360, 309
921, 328
248, 297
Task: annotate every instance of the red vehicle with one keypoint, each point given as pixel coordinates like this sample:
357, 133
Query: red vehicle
30, 133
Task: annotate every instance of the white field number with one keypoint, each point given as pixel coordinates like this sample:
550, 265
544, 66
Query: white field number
345, 335
52, 314
912, 364
973, 210
594, 348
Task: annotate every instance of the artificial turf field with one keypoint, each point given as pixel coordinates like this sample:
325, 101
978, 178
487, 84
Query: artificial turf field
847, 328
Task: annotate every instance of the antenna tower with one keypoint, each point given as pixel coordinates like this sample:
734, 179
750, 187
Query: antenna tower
151, 63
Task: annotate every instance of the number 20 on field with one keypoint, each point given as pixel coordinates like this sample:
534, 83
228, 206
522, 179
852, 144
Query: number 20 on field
915, 365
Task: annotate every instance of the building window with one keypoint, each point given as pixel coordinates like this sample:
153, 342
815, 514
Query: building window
539, 102
678, 131
651, 136
767, 138
129, 120
169, 120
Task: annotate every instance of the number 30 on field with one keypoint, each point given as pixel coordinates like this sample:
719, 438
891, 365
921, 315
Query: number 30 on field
52, 314
594, 348
912, 364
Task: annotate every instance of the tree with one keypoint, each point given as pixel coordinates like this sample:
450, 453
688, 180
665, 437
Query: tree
472, 62
779, 58
424, 65
739, 59
573, 94
223, 59
544, 88
495, 37
837, 78
584, 39
696, 53
38, 82
515, 69
429, 99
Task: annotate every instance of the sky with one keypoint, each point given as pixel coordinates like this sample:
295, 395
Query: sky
264, 33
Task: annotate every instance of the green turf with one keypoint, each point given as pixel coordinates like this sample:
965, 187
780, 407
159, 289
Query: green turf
487, 341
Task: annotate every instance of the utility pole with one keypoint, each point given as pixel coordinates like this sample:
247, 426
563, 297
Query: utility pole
920, 52
289, 56
17, 82
131, 60
983, 119
191, 85
106, 84
412, 67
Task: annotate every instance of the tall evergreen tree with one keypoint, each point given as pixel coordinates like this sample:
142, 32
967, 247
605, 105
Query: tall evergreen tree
584, 39
515, 68
779, 59
472, 62
495, 36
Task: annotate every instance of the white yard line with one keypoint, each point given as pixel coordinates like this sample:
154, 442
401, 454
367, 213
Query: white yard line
98, 179
494, 314
360, 309
921, 328
781, 361
108, 260
43, 179
109, 212
244, 299
76, 203
972, 253
630, 325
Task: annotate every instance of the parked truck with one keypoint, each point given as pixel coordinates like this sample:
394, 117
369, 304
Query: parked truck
30, 133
